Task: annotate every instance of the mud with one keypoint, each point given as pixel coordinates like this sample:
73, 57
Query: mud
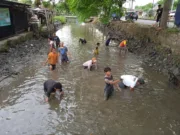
13, 61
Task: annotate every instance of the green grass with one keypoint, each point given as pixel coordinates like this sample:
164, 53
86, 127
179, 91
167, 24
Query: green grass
173, 30
61, 19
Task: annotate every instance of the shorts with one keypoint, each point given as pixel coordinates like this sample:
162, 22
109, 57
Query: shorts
108, 91
53, 66
86, 67
64, 58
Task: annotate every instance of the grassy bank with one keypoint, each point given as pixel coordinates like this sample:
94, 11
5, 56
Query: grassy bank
61, 19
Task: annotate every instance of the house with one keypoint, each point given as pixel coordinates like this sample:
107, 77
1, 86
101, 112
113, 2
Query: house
13, 18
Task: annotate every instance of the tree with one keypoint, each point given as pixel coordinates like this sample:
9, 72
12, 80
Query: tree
26, 1
62, 8
47, 4
146, 7
164, 18
103, 8
161, 2
37, 3
174, 6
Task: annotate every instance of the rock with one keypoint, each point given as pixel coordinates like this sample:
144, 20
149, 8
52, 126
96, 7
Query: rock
150, 65
165, 60
176, 72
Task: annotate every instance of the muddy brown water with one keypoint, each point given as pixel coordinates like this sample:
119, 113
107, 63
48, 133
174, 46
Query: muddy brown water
152, 109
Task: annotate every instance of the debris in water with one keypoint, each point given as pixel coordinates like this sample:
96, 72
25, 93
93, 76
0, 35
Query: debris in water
8, 118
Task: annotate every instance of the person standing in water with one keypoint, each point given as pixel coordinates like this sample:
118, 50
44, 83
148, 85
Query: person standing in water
96, 51
108, 41
63, 53
52, 59
123, 46
56, 40
53, 87
51, 44
110, 83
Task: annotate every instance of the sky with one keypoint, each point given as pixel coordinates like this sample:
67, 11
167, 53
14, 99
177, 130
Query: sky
143, 2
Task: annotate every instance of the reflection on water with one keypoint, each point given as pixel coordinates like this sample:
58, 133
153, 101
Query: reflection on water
152, 109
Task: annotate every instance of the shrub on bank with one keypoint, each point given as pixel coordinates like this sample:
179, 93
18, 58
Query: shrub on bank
61, 19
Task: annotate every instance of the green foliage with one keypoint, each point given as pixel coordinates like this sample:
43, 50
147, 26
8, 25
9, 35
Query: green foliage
146, 7
103, 8
25, 1
161, 2
174, 6
173, 30
62, 8
61, 19
47, 4
37, 3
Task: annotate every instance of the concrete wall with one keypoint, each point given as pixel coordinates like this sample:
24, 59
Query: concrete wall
15, 40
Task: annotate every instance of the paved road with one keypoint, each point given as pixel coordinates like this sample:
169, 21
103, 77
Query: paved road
149, 22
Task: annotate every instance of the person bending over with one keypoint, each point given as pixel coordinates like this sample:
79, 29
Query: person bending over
90, 64
82, 41
130, 81
52, 87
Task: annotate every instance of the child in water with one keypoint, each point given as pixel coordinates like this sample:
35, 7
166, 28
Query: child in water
90, 64
123, 46
110, 83
96, 51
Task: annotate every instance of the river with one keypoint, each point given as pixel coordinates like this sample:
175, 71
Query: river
152, 109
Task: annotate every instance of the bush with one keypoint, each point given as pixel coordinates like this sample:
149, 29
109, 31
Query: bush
61, 19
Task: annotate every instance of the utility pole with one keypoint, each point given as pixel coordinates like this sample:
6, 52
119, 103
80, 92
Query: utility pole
153, 5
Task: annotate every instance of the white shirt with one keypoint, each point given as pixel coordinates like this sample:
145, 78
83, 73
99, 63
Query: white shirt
129, 80
51, 43
88, 64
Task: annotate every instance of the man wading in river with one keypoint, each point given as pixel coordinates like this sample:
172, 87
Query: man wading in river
52, 87
63, 53
130, 81
56, 40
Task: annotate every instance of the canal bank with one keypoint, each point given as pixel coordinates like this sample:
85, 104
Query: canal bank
159, 49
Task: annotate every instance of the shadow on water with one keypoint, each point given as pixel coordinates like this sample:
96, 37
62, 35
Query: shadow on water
152, 109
